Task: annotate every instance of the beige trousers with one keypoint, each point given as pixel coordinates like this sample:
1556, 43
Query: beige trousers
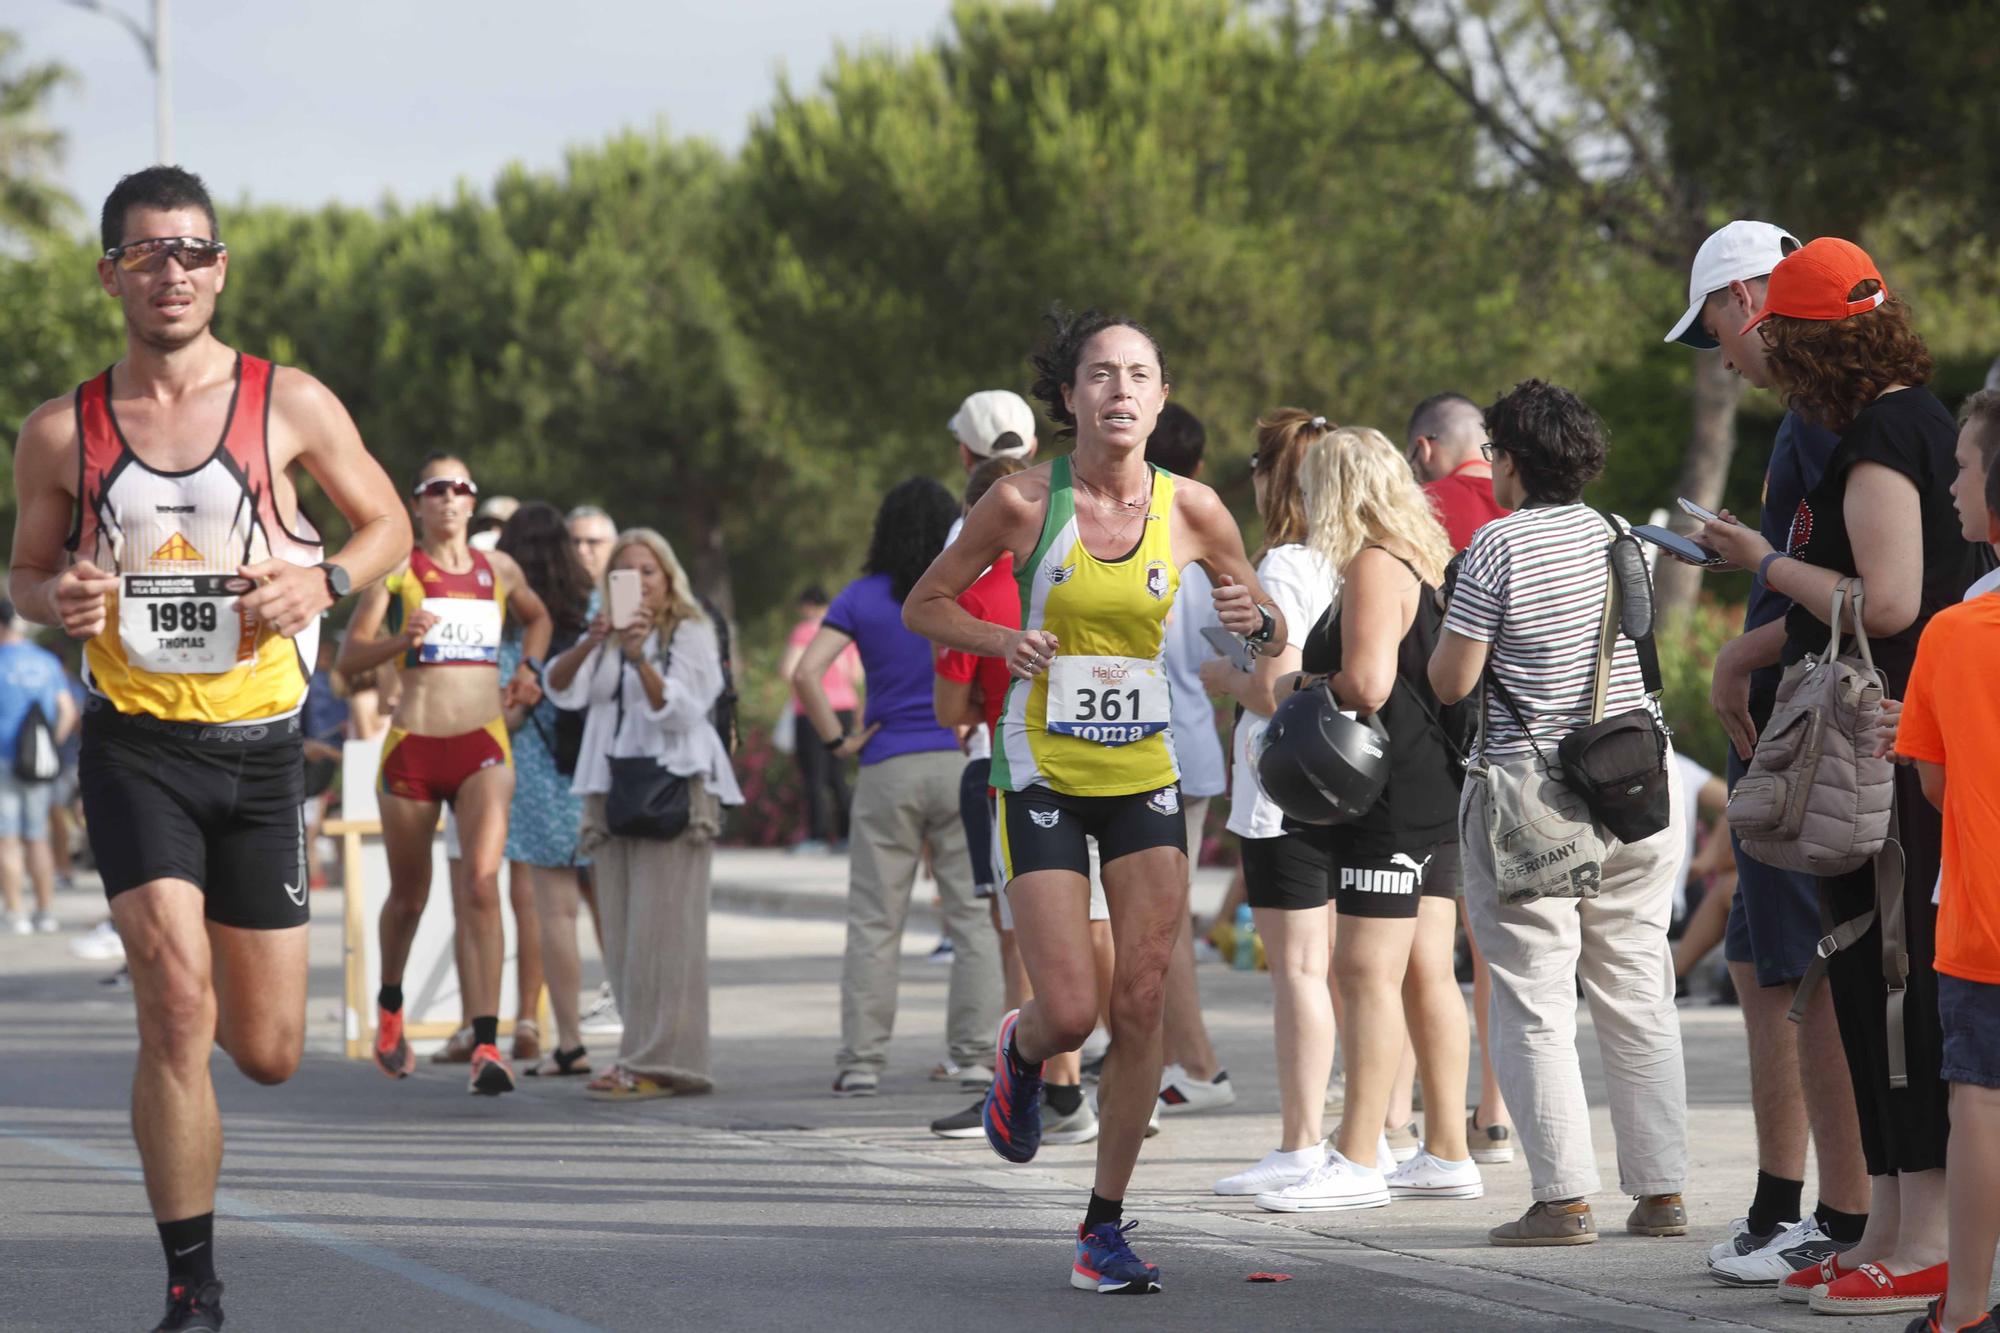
652, 900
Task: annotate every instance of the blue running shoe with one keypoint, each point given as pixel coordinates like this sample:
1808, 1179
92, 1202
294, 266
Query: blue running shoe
1106, 1265
1012, 1115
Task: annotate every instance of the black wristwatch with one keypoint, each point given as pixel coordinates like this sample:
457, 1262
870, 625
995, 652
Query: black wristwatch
1261, 636
338, 582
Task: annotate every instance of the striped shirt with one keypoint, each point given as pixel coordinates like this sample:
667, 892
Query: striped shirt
1532, 587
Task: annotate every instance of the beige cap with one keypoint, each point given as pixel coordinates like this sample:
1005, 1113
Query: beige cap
986, 416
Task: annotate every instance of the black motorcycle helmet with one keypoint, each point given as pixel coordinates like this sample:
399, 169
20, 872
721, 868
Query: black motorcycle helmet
1319, 765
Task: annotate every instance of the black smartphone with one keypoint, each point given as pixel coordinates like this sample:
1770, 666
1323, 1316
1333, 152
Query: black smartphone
1685, 548
1227, 645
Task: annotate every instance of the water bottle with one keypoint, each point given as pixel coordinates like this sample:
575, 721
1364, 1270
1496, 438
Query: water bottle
1245, 959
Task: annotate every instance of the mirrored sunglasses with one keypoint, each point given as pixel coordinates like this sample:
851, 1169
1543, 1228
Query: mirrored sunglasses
436, 488
150, 255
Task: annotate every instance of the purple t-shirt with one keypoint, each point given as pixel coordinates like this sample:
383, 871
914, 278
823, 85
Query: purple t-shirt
898, 663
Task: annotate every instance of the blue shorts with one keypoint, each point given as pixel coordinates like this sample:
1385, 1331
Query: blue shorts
1774, 920
24, 807
1969, 1011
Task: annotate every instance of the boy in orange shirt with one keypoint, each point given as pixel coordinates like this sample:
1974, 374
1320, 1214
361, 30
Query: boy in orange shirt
1950, 727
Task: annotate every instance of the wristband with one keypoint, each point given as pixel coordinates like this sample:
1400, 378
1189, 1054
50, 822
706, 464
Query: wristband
1764, 567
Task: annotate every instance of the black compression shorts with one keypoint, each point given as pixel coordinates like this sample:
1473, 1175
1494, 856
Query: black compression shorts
1041, 829
221, 807
1391, 886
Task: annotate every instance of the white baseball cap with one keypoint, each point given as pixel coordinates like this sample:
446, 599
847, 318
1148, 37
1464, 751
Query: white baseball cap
986, 416
1740, 251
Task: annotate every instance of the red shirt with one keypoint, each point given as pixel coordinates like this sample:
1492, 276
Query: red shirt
1464, 504
996, 599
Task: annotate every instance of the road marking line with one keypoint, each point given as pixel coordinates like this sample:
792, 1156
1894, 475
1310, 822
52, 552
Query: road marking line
361, 1252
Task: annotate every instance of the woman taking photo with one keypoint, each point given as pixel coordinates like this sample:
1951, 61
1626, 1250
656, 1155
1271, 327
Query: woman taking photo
1844, 353
650, 685
447, 743
906, 795
1284, 874
542, 827
1526, 612
1393, 874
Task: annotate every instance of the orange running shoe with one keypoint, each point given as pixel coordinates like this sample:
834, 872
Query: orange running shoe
393, 1055
491, 1074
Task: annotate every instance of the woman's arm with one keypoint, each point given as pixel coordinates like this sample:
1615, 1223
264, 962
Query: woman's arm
683, 695
1257, 689
1379, 602
1216, 543
1007, 518
524, 690
1456, 665
562, 672
361, 651
825, 645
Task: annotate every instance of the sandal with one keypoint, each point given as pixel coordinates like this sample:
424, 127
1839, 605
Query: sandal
631, 1087
604, 1082
560, 1064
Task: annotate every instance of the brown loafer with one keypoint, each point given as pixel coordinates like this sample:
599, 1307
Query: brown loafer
1658, 1215
1549, 1224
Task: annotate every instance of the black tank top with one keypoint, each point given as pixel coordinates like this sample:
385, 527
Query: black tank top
1419, 807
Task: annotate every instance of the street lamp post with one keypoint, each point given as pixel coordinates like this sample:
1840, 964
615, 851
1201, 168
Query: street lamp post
154, 44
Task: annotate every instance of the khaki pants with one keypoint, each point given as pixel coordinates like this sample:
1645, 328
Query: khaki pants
899, 804
1616, 945
652, 900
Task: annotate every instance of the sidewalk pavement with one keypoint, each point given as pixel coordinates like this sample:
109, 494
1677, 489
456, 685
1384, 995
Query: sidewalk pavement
351, 1201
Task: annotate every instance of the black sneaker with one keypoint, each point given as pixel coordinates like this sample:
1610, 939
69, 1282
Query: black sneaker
192, 1309
967, 1124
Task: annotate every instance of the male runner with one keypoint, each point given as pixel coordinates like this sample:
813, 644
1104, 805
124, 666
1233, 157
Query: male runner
158, 520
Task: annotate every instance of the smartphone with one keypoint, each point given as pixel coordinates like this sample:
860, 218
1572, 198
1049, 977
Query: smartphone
1695, 511
1227, 645
1672, 542
624, 597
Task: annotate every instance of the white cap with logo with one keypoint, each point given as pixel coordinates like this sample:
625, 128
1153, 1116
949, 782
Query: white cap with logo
1738, 252
986, 416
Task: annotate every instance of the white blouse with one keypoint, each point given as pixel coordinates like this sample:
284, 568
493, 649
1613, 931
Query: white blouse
678, 733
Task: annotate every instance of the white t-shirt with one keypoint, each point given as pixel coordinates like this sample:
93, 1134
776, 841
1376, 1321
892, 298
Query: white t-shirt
1303, 585
1686, 793
1197, 745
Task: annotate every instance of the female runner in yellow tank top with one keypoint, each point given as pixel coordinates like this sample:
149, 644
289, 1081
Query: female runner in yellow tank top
1099, 539
447, 742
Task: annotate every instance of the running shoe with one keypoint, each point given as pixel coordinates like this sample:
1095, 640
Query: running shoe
1742, 1240
17, 923
1492, 1145
1932, 1321
491, 1074
1106, 1265
1013, 1114
856, 1083
1427, 1177
45, 923
943, 953
192, 1308
1276, 1170
1404, 1141
1335, 1183
1801, 1245
100, 944
1079, 1126
1872, 1289
1800, 1286
1181, 1094
967, 1124
393, 1055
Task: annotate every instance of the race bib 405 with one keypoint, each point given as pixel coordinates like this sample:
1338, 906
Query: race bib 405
1107, 700
467, 630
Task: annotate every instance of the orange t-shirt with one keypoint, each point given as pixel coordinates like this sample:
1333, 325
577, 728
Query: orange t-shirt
1951, 716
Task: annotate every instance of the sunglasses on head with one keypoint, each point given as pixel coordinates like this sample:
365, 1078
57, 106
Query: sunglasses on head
437, 488
150, 256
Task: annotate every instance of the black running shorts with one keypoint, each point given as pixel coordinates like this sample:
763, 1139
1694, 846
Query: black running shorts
1287, 872
220, 807
1042, 829
1391, 886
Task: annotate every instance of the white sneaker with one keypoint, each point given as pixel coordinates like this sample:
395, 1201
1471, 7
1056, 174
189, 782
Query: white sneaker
1427, 1177
17, 923
856, 1083
1152, 1122
1079, 1127
1802, 1245
99, 944
1742, 1240
46, 924
601, 1014
1277, 1170
1183, 1095
1095, 1045
1335, 1183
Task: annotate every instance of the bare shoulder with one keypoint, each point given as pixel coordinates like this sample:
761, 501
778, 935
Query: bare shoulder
506, 567
1197, 502
1023, 491
49, 441
306, 406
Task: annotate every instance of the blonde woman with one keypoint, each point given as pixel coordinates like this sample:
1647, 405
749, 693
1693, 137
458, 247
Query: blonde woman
650, 687
1394, 873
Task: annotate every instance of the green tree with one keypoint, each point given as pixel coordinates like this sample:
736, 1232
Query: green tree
31, 203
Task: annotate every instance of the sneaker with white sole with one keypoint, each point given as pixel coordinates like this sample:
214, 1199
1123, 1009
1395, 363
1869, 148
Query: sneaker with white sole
856, 1083
974, 1076
1277, 1170
1492, 1145
45, 923
1079, 1126
1800, 1246
1335, 1183
601, 1014
1404, 1141
1742, 1240
967, 1124
1428, 1177
1182, 1094
100, 944
1095, 1045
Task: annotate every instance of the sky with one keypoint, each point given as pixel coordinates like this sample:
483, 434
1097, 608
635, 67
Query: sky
314, 101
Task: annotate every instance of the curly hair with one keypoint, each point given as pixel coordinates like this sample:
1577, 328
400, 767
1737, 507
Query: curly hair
538, 539
1282, 437
1832, 368
1556, 442
910, 528
1357, 488
1055, 362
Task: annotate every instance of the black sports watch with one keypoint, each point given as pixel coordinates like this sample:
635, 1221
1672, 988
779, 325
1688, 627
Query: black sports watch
338, 582
1260, 637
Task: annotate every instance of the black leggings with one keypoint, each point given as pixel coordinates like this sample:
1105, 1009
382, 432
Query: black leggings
823, 780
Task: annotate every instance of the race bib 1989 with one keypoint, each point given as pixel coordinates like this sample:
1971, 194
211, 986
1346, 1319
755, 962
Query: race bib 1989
467, 630
184, 624
1107, 700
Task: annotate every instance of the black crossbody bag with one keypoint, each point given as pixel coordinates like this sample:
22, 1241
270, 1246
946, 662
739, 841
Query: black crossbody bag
645, 800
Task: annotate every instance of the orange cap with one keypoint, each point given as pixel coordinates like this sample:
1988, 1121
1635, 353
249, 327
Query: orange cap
1812, 282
